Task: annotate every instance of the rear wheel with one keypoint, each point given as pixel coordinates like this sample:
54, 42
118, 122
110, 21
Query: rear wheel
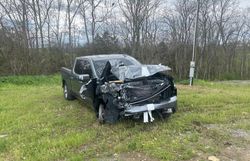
67, 94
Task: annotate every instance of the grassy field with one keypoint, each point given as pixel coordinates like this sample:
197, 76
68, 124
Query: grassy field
36, 123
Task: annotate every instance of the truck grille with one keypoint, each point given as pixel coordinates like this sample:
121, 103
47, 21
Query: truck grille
138, 92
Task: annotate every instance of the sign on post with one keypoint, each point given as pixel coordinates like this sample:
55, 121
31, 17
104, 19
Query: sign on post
192, 67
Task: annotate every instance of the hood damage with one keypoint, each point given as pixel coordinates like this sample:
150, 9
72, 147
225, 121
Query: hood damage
135, 72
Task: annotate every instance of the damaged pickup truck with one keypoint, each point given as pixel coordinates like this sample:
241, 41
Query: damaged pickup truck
118, 85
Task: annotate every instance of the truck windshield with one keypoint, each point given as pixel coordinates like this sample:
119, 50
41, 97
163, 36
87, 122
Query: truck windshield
100, 64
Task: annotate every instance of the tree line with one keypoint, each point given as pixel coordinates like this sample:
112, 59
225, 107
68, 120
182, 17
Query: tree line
40, 36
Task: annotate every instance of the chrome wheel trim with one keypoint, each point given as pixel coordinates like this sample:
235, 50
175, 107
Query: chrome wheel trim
65, 91
101, 113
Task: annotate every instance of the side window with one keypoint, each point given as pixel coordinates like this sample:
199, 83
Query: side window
83, 67
79, 67
87, 68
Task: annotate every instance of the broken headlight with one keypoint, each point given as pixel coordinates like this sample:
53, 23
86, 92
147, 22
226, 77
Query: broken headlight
123, 94
104, 88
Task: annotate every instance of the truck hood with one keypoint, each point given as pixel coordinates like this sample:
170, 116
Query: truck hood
137, 71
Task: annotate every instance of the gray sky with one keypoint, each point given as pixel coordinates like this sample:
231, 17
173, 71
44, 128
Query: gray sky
244, 3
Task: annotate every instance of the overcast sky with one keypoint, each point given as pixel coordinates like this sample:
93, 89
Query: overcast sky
244, 3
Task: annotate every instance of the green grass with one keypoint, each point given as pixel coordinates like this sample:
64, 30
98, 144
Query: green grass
41, 125
30, 80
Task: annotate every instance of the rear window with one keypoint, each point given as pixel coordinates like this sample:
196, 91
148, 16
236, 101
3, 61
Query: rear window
99, 65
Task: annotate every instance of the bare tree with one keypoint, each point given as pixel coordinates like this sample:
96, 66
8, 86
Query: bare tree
72, 9
95, 13
180, 28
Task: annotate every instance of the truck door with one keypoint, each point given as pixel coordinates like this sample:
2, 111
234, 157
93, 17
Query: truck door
78, 71
87, 88
82, 67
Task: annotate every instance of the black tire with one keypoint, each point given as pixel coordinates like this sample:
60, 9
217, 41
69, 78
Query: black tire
67, 93
166, 115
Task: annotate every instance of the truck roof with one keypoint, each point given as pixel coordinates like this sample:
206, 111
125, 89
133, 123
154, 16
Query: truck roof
103, 56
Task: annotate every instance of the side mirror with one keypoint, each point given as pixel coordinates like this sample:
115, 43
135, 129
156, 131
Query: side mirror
84, 77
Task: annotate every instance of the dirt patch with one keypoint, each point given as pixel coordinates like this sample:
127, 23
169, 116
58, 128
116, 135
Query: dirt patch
235, 133
234, 153
235, 149
132, 156
241, 134
236, 82
238, 153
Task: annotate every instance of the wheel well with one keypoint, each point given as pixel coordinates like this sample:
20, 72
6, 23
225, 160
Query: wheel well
63, 83
97, 102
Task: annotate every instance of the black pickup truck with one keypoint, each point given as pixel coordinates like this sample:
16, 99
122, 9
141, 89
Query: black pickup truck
117, 85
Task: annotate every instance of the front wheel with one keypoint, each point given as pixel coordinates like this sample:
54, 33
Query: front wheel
101, 113
67, 94
166, 113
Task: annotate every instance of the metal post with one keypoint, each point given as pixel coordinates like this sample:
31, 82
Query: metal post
192, 63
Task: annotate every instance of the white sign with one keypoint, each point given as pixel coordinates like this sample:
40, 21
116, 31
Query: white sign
191, 72
192, 64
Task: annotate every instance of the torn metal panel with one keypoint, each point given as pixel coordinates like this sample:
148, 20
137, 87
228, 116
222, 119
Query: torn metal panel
151, 92
100, 64
135, 71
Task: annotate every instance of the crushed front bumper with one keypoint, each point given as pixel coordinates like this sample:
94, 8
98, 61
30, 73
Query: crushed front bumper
135, 109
